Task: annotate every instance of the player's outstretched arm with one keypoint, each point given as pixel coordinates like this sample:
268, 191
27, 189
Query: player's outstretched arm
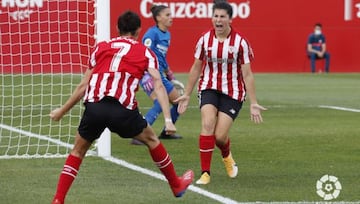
255, 108
194, 75
163, 99
76, 96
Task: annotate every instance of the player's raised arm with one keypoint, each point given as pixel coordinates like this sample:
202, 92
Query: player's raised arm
163, 99
76, 96
255, 108
192, 79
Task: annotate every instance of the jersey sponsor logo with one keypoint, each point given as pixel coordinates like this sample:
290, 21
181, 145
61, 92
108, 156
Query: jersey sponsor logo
195, 9
221, 60
163, 49
22, 9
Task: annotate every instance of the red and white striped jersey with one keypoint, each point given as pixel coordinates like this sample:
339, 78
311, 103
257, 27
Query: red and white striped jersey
118, 65
222, 63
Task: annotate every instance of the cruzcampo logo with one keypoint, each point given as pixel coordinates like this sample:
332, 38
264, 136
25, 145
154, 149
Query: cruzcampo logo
328, 187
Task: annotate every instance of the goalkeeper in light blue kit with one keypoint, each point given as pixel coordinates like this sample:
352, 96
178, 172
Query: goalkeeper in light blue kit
157, 38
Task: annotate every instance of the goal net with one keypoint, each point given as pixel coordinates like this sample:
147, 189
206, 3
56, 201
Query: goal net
44, 51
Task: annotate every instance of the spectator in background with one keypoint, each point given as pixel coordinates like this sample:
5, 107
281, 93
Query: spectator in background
316, 48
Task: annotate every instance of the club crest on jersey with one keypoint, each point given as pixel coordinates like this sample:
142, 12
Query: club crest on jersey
231, 49
147, 42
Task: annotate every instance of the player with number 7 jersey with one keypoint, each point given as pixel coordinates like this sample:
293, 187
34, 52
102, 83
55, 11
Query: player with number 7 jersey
121, 60
108, 88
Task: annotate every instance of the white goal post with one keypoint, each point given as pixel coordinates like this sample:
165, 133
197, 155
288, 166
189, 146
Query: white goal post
103, 33
45, 47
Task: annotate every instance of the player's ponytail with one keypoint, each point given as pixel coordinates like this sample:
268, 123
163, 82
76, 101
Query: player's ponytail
156, 9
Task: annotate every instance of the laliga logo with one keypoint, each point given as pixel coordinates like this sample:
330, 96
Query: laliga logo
328, 187
21, 4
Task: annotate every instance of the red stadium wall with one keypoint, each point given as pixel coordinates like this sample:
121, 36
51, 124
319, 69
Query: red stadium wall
277, 30
40, 36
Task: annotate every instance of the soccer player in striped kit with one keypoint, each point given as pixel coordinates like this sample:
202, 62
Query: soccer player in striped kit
222, 62
108, 88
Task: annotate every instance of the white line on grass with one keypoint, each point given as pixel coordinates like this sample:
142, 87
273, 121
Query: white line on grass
340, 108
148, 172
126, 164
216, 197
193, 188
42, 137
29, 134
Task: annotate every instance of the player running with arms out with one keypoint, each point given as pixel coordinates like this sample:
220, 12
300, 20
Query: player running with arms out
108, 88
225, 55
157, 38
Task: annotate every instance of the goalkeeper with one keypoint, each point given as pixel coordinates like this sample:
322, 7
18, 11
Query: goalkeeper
157, 38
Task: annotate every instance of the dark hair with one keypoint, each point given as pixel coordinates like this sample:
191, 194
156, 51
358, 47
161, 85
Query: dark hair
219, 1
156, 9
223, 4
128, 22
318, 24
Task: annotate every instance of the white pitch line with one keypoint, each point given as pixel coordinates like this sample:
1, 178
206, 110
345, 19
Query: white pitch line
148, 172
42, 137
340, 108
29, 134
126, 164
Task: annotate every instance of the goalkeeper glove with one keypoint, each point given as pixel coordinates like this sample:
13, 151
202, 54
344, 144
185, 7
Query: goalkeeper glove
147, 83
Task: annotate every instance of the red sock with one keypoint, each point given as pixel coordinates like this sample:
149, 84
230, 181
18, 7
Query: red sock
67, 176
225, 149
206, 146
163, 161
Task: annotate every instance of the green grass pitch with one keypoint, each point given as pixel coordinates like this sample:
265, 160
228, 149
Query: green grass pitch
279, 160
